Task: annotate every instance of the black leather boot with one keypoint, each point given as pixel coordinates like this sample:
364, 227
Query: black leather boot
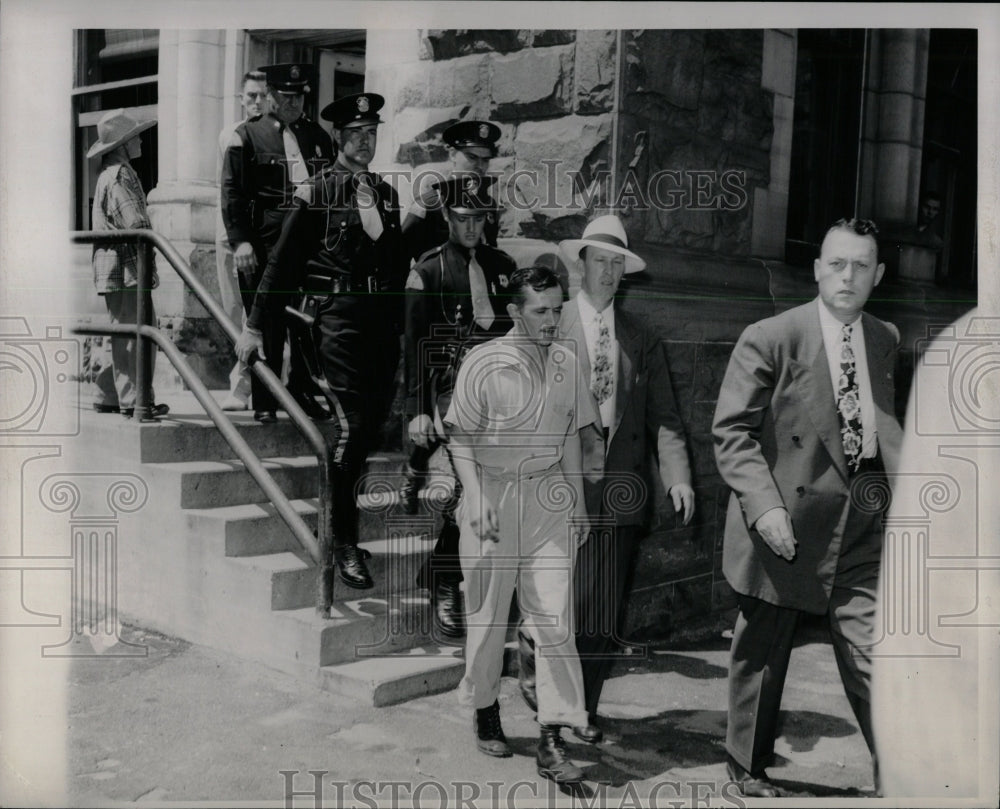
352, 568
551, 757
489, 733
526, 668
409, 492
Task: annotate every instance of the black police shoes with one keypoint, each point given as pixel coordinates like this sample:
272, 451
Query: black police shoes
265, 416
155, 411
352, 568
751, 785
551, 758
591, 734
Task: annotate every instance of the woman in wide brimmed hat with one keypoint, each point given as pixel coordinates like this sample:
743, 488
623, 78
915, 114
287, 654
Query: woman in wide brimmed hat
120, 204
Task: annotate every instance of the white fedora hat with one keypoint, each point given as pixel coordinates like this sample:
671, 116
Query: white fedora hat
607, 233
115, 128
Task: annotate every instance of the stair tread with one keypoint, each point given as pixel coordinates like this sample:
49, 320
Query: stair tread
406, 663
235, 465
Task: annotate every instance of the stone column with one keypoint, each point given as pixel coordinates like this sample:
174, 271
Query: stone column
193, 93
894, 125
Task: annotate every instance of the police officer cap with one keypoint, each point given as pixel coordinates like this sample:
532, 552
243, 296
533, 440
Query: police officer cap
468, 193
292, 77
469, 134
354, 110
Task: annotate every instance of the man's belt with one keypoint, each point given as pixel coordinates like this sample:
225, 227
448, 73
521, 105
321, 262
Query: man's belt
342, 284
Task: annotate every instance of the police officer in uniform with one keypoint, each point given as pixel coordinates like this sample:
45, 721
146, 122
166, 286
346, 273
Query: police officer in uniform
268, 156
342, 240
470, 144
455, 298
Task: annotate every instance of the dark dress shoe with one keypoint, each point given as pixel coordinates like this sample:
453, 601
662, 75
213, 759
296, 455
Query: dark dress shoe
265, 416
551, 758
409, 492
591, 734
489, 734
448, 609
310, 406
155, 411
352, 568
526, 668
106, 408
751, 785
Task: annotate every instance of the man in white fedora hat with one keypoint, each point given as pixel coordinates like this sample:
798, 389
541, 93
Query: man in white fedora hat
120, 204
623, 363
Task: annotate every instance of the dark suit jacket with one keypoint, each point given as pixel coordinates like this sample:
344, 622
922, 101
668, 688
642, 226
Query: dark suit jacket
777, 443
614, 483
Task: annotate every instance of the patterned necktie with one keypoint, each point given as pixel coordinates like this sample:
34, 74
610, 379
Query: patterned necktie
482, 309
849, 403
601, 382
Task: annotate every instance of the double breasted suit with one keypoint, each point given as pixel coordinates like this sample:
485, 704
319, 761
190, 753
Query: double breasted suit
778, 444
614, 482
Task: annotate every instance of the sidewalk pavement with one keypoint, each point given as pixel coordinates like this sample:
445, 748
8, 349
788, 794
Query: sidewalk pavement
189, 723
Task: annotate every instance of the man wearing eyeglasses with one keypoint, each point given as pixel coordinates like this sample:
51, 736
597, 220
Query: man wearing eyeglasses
268, 157
804, 435
253, 100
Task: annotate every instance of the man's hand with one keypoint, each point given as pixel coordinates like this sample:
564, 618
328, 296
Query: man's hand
775, 527
421, 431
581, 528
486, 526
244, 257
250, 340
683, 496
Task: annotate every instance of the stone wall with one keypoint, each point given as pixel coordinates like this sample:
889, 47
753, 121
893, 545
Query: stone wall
692, 102
552, 93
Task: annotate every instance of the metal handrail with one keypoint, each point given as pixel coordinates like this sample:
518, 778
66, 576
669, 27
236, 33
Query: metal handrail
319, 547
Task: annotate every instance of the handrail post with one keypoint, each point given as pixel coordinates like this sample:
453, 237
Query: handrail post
325, 535
144, 348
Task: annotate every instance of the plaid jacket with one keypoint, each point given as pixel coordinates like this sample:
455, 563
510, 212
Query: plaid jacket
119, 204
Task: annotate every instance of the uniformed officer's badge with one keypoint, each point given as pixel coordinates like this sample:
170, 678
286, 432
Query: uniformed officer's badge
504, 280
414, 281
319, 153
295, 72
484, 131
363, 104
471, 184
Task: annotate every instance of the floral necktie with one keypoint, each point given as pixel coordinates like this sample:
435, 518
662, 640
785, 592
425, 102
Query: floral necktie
601, 383
848, 403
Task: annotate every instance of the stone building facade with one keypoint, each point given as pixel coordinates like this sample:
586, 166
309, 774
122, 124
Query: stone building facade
725, 152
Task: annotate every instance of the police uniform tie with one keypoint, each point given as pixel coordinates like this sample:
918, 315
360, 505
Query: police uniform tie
297, 166
367, 202
601, 383
849, 403
482, 309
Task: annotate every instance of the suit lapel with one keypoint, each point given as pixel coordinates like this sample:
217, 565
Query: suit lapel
626, 375
571, 328
812, 376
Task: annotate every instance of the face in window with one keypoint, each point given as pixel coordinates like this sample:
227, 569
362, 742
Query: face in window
357, 144
466, 229
602, 273
847, 271
254, 98
287, 107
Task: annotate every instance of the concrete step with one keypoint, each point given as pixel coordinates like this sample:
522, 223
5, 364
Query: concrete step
380, 681
253, 529
210, 484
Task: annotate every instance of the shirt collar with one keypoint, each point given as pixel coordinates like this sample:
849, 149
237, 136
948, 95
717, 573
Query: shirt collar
588, 312
829, 324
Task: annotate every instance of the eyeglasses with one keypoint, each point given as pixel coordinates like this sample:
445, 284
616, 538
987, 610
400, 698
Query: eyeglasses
863, 227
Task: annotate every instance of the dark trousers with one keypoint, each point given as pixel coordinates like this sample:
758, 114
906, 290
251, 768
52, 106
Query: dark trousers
600, 580
762, 644
359, 351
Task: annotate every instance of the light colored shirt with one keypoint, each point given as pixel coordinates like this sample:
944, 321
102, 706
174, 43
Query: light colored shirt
832, 337
515, 409
591, 329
